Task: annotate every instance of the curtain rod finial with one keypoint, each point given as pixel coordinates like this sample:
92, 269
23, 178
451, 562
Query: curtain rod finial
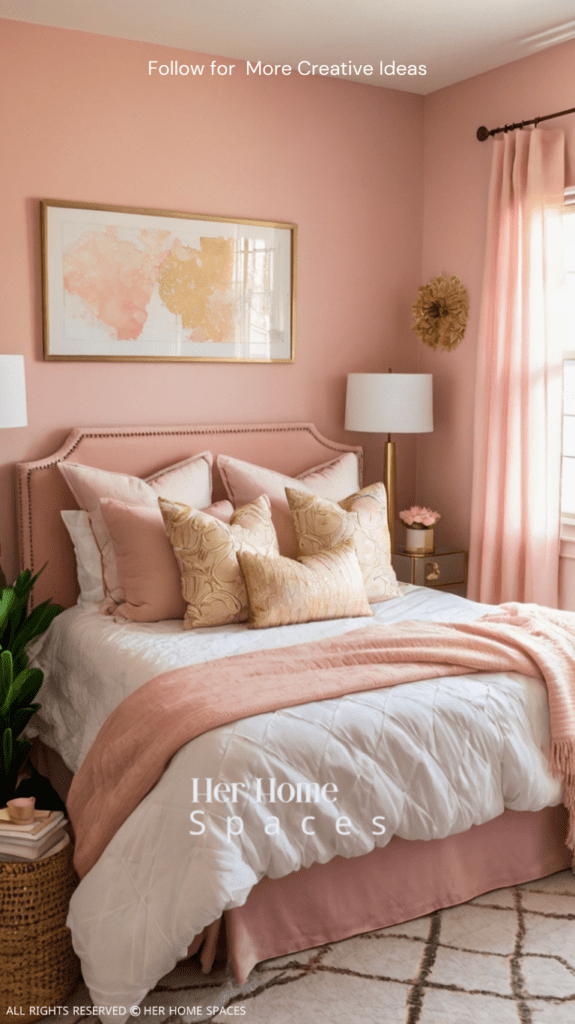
483, 133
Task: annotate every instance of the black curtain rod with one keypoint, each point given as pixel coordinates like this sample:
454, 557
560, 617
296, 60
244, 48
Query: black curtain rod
483, 133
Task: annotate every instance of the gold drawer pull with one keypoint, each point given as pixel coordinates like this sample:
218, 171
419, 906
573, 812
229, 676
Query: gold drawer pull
432, 571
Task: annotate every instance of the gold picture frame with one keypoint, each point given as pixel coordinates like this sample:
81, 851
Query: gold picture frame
136, 285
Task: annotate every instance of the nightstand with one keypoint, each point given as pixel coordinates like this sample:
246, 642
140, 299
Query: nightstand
38, 966
445, 569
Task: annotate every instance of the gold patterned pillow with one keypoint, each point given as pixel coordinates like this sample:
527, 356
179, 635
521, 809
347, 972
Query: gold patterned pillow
362, 517
281, 591
206, 553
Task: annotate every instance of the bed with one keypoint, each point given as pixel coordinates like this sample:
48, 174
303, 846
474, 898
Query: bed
274, 899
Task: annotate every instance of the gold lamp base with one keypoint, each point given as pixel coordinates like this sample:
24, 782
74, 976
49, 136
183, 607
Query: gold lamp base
390, 482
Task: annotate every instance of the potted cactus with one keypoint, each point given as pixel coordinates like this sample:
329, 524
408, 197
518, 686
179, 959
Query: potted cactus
19, 684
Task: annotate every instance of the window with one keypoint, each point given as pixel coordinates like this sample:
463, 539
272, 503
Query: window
568, 469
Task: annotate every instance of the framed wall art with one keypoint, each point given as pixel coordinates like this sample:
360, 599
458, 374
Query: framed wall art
134, 284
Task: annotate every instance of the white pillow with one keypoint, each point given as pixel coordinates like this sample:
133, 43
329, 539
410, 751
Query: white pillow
88, 557
245, 482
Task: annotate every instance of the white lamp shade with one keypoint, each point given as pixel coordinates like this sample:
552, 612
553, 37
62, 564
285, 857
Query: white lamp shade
12, 392
389, 403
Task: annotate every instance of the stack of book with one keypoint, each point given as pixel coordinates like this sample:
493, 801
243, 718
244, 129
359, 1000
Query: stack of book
40, 838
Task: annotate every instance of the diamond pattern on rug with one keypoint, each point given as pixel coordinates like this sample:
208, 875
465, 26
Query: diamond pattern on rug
507, 957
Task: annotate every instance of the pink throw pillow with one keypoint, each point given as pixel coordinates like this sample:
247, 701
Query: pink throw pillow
148, 574
245, 482
189, 481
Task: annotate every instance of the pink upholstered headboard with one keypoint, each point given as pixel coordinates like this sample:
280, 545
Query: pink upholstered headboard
288, 448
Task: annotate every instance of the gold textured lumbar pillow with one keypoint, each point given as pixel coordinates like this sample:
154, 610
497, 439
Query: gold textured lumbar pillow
281, 591
362, 518
206, 552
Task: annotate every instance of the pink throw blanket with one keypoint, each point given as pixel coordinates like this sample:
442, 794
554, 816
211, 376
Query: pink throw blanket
138, 739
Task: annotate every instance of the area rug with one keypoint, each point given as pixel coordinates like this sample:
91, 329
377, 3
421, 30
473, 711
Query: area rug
507, 957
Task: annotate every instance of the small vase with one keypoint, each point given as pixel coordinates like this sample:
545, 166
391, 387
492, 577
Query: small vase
419, 542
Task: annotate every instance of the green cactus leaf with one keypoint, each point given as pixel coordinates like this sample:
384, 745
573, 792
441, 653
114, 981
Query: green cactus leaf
8, 601
6, 675
36, 624
19, 684
23, 690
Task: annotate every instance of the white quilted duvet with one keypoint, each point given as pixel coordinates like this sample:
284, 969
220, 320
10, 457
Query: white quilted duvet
430, 758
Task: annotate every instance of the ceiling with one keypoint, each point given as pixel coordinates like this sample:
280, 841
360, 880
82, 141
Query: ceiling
454, 39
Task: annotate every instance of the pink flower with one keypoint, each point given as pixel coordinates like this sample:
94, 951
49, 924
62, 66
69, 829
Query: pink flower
420, 518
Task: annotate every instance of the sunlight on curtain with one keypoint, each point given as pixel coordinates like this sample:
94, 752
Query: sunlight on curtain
568, 474
568, 468
515, 527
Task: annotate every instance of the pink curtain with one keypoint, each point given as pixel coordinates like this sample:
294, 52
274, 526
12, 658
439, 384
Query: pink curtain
515, 523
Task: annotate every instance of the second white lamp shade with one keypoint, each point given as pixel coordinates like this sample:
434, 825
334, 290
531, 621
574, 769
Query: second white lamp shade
389, 403
12, 392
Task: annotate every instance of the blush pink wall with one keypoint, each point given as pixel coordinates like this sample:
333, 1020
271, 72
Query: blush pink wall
344, 161
456, 180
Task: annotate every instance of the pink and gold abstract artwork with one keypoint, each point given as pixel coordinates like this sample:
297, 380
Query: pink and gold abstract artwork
145, 284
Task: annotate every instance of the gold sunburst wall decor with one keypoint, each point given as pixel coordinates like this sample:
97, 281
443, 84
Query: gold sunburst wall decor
440, 312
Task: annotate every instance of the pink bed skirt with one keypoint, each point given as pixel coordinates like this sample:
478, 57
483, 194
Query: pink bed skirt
404, 880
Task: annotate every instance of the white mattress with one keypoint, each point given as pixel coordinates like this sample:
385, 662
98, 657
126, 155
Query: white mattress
430, 758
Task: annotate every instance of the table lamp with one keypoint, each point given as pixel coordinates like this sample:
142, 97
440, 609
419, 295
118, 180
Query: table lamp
386, 403
12, 401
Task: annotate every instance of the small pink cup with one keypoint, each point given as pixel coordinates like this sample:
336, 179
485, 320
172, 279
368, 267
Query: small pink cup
21, 809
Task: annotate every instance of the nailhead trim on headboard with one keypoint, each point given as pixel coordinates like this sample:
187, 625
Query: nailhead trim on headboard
75, 438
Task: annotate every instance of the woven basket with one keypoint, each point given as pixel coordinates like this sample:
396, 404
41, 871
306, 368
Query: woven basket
38, 967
